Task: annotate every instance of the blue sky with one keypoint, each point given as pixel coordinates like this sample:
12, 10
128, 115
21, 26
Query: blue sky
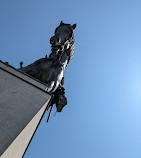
103, 79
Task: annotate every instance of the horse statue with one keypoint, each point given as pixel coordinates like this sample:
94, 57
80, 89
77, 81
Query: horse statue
50, 70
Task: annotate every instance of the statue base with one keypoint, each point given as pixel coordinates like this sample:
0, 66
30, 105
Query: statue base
23, 102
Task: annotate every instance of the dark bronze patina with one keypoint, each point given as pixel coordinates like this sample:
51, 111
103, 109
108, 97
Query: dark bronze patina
50, 70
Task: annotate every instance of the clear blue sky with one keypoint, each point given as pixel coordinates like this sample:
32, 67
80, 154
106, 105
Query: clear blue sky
102, 82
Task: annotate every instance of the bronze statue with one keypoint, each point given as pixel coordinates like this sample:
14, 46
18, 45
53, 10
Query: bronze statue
50, 70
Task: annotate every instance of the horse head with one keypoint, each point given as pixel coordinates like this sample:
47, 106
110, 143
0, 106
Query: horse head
63, 38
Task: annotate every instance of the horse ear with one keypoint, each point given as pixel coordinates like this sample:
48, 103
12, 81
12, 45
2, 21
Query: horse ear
61, 23
73, 26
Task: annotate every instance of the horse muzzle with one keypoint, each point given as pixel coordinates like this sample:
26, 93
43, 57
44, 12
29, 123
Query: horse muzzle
54, 40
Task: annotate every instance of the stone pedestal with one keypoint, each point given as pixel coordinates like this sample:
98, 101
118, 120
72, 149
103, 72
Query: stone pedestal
23, 101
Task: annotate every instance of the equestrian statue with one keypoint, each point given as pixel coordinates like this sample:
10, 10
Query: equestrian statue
50, 70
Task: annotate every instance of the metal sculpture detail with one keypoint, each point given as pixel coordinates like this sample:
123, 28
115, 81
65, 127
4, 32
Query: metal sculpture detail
51, 69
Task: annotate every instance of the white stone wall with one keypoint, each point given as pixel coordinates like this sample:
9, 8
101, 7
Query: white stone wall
23, 101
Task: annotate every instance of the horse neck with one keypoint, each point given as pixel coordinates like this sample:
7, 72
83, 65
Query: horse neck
67, 55
64, 59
